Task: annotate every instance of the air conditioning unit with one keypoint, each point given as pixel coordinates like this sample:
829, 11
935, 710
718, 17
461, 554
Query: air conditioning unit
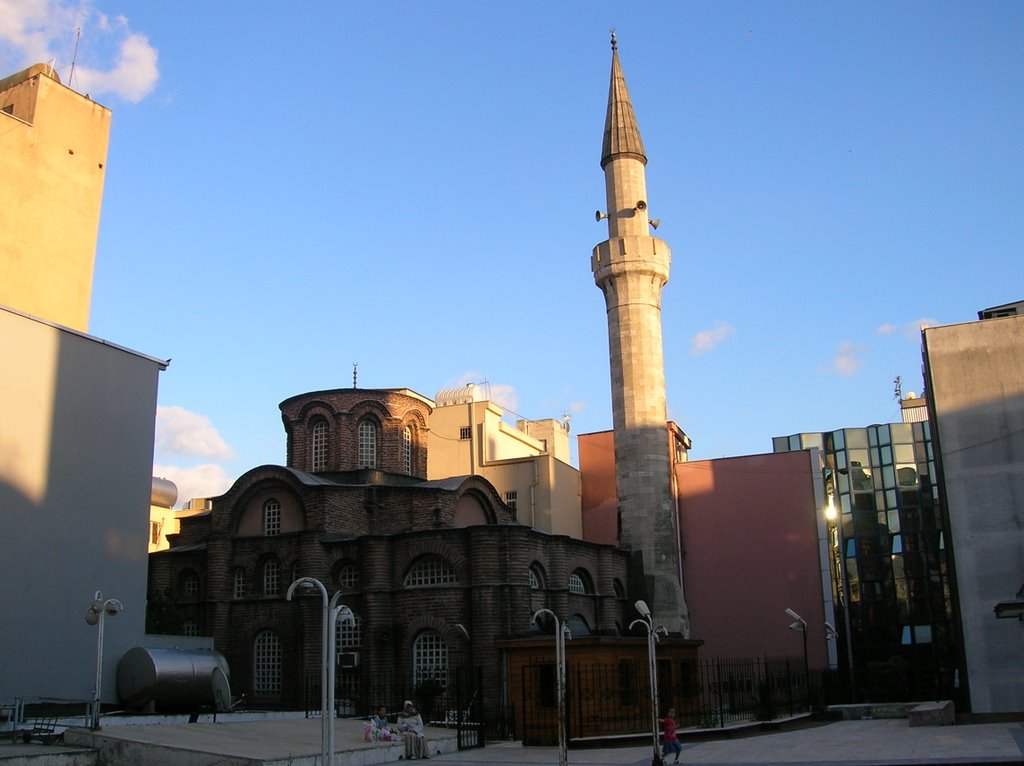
348, 660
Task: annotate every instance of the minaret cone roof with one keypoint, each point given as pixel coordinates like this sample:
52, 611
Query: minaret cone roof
621, 133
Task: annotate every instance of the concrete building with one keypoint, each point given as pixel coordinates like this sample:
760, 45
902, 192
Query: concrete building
163, 519
528, 464
53, 154
753, 532
975, 394
76, 441
631, 267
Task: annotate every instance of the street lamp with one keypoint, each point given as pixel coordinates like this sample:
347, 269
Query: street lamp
326, 670
562, 632
647, 620
345, 615
801, 625
833, 516
95, 615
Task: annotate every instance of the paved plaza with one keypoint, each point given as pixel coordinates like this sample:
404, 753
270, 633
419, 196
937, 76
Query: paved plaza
840, 743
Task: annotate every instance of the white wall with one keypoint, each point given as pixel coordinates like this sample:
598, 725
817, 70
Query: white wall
77, 419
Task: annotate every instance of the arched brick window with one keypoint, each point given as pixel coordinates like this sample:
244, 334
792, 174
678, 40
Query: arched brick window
271, 518
267, 663
318, 446
430, 570
366, 454
407, 449
271, 577
429, 658
238, 583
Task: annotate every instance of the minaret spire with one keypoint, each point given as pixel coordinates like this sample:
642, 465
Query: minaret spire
621, 133
631, 267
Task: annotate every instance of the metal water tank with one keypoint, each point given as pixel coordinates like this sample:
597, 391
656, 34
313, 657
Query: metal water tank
173, 679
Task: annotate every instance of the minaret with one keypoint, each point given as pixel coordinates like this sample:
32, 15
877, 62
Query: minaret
631, 268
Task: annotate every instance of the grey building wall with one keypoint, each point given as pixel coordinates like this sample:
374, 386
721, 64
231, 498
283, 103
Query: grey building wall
77, 418
975, 380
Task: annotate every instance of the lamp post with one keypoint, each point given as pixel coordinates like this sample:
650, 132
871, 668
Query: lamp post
95, 615
344, 613
561, 633
647, 620
801, 625
833, 516
326, 669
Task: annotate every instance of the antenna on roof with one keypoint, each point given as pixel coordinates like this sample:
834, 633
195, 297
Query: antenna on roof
74, 58
897, 393
354, 366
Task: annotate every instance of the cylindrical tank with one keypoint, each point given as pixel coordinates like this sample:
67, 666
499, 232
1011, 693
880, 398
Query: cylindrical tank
170, 679
163, 493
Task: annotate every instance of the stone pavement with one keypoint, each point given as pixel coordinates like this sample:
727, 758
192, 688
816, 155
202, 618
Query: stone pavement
881, 742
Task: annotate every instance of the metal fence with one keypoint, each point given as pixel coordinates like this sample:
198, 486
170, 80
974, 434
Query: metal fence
453, 700
613, 699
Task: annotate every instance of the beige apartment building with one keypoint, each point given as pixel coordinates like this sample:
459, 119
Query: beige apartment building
527, 463
53, 155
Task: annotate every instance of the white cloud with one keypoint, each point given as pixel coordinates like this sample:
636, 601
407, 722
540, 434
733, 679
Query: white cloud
134, 74
909, 330
207, 480
111, 58
847, 360
180, 432
706, 340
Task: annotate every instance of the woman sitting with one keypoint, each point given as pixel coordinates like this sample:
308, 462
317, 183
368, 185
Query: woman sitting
410, 726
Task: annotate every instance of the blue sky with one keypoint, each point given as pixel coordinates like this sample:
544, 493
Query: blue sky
293, 188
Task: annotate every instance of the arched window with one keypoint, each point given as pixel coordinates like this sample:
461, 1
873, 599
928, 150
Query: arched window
620, 592
429, 659
190, 628
271, 518
190, 585
407, 449
348, 577
536, 576
367, 451
348, 633
267, 663
578, 626
430, 570
318, 446
238, 583
579, 582
534, 580
271, 577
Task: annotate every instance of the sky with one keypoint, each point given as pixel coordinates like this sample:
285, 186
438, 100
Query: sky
293, 189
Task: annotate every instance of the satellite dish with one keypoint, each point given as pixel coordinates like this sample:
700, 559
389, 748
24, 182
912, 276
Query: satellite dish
221, 691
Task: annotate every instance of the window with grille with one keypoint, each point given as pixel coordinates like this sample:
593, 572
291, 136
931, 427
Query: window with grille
347, 633
190, 628
430, 570
238, 585
267, 663
512, 499
190, 585
271, 577
429, 659
534, 579
407, 449
465, 433
577, 583
348, 577
367, 448
154, 532
271, 518
318, 446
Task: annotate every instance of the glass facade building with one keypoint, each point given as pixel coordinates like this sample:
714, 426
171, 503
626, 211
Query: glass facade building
888, 559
